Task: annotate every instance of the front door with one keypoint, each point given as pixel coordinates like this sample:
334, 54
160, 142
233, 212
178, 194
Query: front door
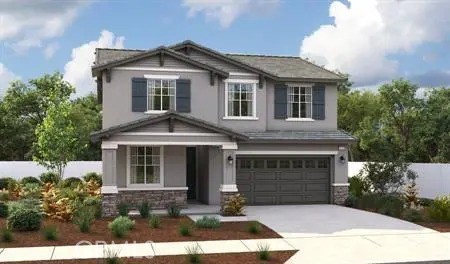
191, 172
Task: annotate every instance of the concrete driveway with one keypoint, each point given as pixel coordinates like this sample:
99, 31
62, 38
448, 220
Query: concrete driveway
329, 220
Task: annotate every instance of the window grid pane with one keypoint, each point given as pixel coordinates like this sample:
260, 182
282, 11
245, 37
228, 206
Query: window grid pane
161, 94
240, 99
144, 165
299, 102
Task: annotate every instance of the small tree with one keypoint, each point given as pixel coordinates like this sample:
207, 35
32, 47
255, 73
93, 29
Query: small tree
386, 177
411, 195
57, 141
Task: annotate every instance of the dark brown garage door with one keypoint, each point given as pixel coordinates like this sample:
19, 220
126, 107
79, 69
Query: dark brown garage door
290, 180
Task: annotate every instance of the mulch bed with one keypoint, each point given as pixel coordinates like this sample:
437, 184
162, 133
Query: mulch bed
276, 257
438, 226
68, 233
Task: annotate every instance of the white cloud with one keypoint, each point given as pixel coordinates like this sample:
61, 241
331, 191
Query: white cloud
78, 70
6, 76
226, 11
28, 23
50, 50
367, 32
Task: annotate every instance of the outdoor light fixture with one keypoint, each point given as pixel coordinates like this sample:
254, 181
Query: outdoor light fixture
342, 159
230, 160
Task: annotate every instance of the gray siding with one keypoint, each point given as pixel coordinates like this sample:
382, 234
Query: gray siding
122, 166
215, 175
199, 56
178, 127
174, 166
153, 62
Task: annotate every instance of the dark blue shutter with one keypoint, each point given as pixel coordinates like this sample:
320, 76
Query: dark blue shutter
183, 96
280, 103
318, 97
138, 94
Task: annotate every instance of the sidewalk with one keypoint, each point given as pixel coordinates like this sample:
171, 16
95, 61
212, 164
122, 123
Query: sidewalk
390, 248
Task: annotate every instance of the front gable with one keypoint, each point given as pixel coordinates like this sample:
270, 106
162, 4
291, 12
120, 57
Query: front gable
164, 126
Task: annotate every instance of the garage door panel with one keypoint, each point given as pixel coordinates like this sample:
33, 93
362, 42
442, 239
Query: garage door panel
293, 180
258, 187
265, 176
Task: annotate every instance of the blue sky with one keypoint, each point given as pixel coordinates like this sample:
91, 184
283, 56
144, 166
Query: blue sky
372, 40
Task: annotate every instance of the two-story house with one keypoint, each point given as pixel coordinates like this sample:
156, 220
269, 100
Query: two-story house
186, 122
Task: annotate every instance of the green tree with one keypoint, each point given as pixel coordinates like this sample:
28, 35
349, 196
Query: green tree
57, 140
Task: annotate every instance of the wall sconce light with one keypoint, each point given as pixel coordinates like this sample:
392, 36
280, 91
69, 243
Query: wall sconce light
230, 160
342, 159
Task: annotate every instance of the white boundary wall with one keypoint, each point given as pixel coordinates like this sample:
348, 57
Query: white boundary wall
433, 180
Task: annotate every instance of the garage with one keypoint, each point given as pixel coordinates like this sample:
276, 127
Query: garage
284, 180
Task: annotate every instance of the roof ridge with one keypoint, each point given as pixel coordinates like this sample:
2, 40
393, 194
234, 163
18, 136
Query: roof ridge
264, 55
120, 49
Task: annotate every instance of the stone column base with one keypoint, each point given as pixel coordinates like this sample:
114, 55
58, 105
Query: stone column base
224, 196
158, 199
109, 204
340, 193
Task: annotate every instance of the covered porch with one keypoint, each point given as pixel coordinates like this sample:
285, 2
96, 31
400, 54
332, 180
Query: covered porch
167, 159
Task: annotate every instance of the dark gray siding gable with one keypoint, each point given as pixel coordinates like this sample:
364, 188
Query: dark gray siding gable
138, 94
183, 96
318, 96
280, 102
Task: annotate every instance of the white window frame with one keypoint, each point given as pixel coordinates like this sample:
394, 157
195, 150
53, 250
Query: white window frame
300, 85
161, 77
254, 83
161, 169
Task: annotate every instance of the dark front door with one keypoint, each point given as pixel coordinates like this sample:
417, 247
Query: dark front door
191, 172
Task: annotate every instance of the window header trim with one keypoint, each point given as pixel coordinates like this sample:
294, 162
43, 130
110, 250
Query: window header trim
162, 77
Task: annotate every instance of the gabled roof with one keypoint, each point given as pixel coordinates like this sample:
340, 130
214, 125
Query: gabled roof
96, 136
279, 68
135, 55
301, 136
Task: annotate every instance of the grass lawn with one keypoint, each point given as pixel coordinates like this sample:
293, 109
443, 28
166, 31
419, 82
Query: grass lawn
68, 233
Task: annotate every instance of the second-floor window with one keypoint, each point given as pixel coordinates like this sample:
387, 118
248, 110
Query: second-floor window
240, 99
161, 94
299, 102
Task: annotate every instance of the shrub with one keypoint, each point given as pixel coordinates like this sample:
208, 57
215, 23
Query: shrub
144, 209
24, 219
358, 186
254, 227
410, 195
4, 195
387, 177
4, 182
71, 182
234, 205
121, 225
154, 221
14, 189
193, 254
439, 209
50, 233
263, 251
185, 229
412, 215
111, 256
55, 205
32, 204
84, 217
173, 210
49, 177
96, 204
351, 201
425, 202
93, 176
30, 191
369, 201
3, 209
123, 209
6, 235
208, 222
391, 205
30, 179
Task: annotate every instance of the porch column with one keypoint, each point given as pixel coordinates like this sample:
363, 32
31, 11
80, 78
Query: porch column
109, 177
228, 186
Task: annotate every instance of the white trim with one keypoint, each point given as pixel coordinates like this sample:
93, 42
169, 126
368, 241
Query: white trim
232, 146
169, 134
109, 189
161, 143
340, 184
159, 69
286, 152
228, 188
240, 118
165, 77
243, 74
254, 84
154, 111
161, 170
241, 81
153, 189
291, 119
109, 145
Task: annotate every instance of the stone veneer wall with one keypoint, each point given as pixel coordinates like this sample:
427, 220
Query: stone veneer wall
340, 193
159, 199
223, 199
